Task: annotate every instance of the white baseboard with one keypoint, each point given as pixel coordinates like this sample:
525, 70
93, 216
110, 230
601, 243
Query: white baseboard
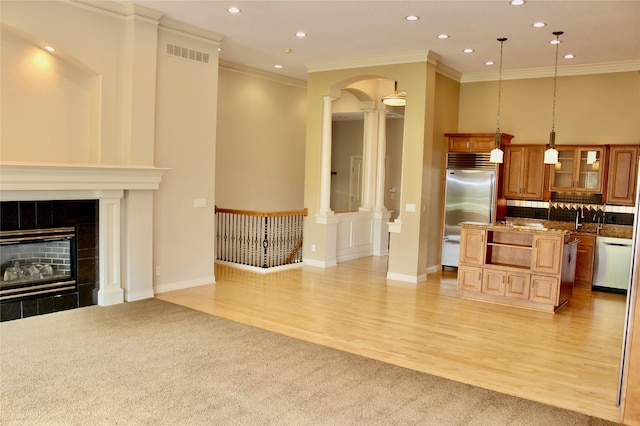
164, 288
414, 279
140, 295
260, 270
319, 263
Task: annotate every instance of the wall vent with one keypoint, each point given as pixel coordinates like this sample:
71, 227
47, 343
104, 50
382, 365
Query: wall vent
188, 54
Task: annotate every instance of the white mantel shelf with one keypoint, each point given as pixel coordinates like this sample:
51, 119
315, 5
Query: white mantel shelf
125, 196
52, 177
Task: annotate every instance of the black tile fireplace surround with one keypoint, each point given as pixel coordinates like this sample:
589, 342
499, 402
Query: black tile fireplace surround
82, 215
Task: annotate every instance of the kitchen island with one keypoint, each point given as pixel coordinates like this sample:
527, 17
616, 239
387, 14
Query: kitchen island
525, 266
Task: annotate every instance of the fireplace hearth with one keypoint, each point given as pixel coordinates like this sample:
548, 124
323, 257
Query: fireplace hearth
48, 256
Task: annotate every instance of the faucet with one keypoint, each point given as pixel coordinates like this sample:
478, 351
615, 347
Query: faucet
599, 215
578, 224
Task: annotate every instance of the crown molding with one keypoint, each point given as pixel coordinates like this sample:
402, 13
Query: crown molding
375, 60
571, 70
449, 72
243, 69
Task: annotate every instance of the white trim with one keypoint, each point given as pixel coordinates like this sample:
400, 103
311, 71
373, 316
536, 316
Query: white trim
605, 68
319, 263
139, 295
374, 60
51, 177
181, 285
260, 270
414, 279
433, 269
110, 296
243, 69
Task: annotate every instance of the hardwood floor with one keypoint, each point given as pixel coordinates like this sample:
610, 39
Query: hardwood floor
569, 359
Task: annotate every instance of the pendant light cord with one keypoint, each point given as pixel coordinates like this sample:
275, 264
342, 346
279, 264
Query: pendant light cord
501, 40
555, 82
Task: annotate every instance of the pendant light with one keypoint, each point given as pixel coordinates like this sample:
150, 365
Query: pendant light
397, 99
497, 154
551, 154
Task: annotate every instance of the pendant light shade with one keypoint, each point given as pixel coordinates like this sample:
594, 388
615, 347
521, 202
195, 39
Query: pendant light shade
497, 155
396, 99
551, 154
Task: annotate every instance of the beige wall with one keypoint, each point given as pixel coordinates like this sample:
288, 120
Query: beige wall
184, 236
260, 141
591, 109
96, 101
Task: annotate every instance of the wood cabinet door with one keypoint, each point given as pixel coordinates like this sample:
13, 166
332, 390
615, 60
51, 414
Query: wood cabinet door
590, 169
470, 278
474, 142
513, 160
533, 173
547, 254
562, 173
472, 247
623, 172
518, 284
584, 260
493, 282
544, 289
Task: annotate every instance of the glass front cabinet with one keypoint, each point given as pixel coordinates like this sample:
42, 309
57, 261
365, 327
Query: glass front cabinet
579, 169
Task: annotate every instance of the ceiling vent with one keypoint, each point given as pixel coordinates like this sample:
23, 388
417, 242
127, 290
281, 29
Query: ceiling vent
188, 54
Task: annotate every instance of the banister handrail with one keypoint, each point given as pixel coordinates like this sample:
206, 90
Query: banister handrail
304, 212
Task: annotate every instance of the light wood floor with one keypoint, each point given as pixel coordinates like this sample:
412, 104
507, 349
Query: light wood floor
569, 359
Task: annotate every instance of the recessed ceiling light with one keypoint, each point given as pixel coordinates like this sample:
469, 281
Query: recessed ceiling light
569, 56
234, 10
278, 66
301, 34
49, 48
412, 18
287, 50
219, 49
489, 63
517, 2
443, 36
467, 50
539, 24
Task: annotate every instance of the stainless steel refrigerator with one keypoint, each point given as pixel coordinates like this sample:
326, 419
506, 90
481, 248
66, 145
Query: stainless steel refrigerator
470, 195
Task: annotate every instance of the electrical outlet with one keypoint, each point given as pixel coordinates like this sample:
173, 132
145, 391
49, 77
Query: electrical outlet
313, 248
158, 271
199, 203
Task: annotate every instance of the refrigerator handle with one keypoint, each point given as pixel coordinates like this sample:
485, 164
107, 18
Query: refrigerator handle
492, 210
447, 240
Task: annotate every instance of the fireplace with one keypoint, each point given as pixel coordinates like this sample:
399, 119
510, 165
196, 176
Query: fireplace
48, 256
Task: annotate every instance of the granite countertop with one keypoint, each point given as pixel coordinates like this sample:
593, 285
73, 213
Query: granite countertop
531, 228
617, 231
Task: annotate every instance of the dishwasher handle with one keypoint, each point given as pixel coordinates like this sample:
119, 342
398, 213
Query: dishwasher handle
617, 244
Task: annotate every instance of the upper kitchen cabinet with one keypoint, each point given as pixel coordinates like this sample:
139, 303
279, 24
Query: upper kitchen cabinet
623, 172
474, 142
579, 169
524, 172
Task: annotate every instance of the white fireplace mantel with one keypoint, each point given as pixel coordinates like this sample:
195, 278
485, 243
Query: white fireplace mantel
125, 196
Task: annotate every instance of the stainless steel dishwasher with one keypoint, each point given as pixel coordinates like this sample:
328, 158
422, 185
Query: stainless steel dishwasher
612, 266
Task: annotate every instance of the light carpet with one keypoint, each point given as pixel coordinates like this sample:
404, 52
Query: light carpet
156, 363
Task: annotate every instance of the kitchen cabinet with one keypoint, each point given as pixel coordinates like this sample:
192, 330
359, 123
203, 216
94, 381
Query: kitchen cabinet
524, 172
474, 142
579, 169
527, 267
622, 175
472, 247
584, 260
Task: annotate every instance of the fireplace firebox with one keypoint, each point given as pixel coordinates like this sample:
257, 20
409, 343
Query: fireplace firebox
48, 256
37, 262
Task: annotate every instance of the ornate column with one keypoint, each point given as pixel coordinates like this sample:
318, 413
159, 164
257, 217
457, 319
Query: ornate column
382, 157
369, 153
325, 162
